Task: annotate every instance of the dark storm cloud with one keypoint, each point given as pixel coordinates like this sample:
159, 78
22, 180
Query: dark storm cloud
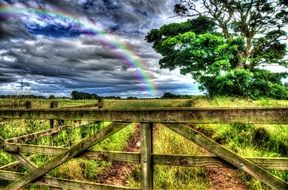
121, 16
11, 27
61, 59
51, 58
4, 78
90, 68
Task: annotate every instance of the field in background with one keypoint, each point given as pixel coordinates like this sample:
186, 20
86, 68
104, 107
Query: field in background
246, 140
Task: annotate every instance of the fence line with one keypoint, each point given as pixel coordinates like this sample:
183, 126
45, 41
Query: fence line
176, 119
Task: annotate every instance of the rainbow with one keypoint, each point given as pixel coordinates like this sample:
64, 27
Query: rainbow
107, 39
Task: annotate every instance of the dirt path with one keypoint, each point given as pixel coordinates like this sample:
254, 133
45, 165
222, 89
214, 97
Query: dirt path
221, 178
224, 179
116, 174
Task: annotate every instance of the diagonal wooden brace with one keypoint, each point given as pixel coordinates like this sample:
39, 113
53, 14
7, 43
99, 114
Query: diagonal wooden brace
14, 164
67, 155
24, 161
229, 156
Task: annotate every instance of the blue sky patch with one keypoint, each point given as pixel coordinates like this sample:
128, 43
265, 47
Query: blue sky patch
53, 30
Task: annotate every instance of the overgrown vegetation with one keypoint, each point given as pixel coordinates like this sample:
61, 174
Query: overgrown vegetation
246, 140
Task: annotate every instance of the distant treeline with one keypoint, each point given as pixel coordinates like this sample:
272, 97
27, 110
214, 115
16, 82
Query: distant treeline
168, 95
76, 95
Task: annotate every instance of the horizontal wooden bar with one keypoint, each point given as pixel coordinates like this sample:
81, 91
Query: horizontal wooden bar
131, 157
158, 159
92, 155
214, 161
161, 115
61, 183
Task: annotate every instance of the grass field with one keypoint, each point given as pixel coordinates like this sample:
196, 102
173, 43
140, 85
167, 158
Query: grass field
245, 140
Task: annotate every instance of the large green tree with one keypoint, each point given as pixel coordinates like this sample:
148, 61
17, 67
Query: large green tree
226, 45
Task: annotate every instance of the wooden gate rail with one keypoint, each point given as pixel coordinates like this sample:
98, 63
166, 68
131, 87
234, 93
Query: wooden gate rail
269, 163
157, 115
146, 158
61, 183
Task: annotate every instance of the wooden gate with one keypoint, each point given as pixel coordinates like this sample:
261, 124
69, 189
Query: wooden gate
176, 119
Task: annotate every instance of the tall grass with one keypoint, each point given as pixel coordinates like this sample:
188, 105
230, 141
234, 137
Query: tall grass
252, 141
245, 140
172, 177
77, 169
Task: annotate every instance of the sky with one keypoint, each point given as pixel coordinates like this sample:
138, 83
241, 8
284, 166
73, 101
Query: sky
96, 46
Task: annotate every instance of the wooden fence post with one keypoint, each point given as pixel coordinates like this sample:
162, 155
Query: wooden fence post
28, 104
146, 150
100, 103
53, 104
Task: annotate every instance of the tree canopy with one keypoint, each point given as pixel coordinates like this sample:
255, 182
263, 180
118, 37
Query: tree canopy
226, 45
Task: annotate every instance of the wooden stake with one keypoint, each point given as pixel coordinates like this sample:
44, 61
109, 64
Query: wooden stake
53, 104
146, 150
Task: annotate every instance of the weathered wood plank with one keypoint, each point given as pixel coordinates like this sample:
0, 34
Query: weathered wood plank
229, 156
100, 103
131, 157
271, 163
214, 161
53, 123
24, 161
14, 164
67, 155
146, 150
34, 149
158, 159
28, 104
61, 183
161, 115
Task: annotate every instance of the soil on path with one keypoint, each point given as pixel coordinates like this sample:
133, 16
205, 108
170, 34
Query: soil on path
220, 178
224, 179
117, 173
